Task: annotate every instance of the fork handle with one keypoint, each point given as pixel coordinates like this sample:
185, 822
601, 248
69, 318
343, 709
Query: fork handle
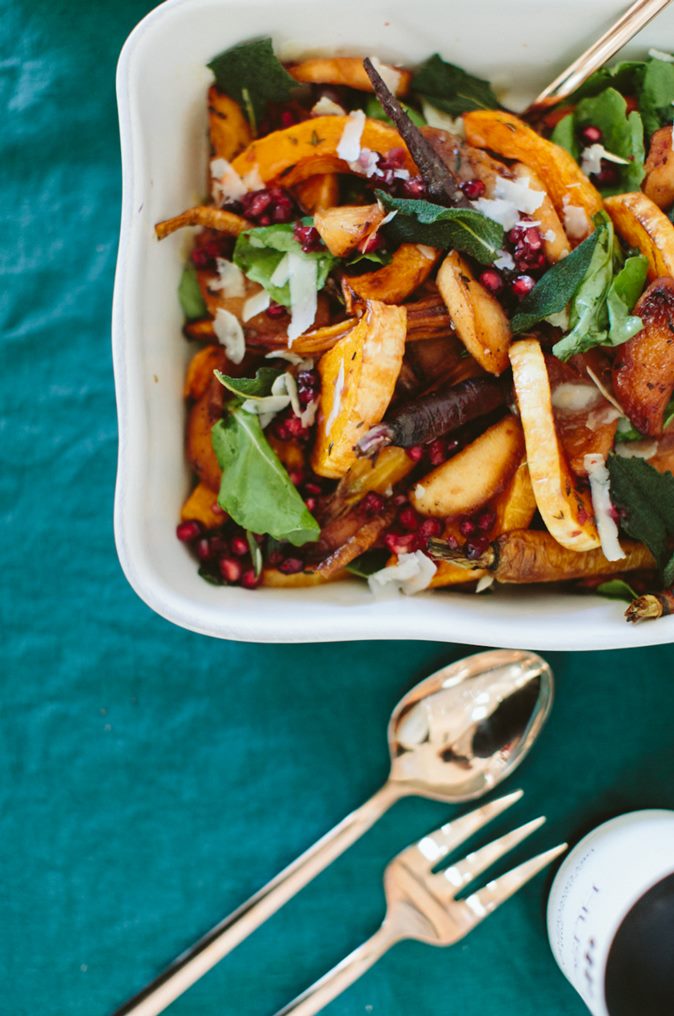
340, 977
225, 936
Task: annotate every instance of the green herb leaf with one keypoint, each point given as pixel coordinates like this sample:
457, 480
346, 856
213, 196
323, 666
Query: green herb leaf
668, 573
252, 74
368, 563
622, 135
375, 111
451, 89
564, 134
257, 387
623, 293
656, 95
588, 316
258, 253
646, 499
255, 489
626, 432
616, 589
463, 229
552, 293
365, 261
189, 294
625, 76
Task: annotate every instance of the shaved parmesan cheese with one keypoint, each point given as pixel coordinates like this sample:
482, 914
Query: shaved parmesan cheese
591, 159
255, 304
504, 261
349, 143
326, 107
550, 235
304, 363
308, 415
636, 449
401, 174
291, 389
428, 252
339, 388
229, 334
659, 54
389, 75
412, 574
252, 179
443, 121
367, 163
484, 583
609, 396
576, 222
600, 417
302, 276
603, 509
574, 398
230, 280
269, 406
499, 210
280, 275
519, 193
227, 185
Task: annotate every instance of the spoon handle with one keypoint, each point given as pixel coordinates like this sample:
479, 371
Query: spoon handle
634, 19
225, 936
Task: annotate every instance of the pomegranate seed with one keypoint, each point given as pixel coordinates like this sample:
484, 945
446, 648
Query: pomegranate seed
399, 499
216, 509
313, 488
386, 177
372, 503
249, 580
204, 549
522, 285
416, 452
311, 503
473, 189
371, 243
308, 237
264, 220
274, 558
239, 546
516, 235
291, 566
451, 446
435, 452
294, 427
275, 310
430, 528
414, 187
230, 569
201, 258
409, 519
529, 260
257, 203
533, 239
609, 175
485, 520
287, 118
281, 430
401, 543
466, 527
394, 159
591, 134
476, 547
188, 531
296, 477
491, 280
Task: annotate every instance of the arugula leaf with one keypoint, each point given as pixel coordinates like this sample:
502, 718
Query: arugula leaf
646, 500
622, 135
255, 489
656, 95
668, 573
623, 293
463, 229
257, 387
588, 316
616, 589
564, 134
252, 74
451, 89
258, 253
189, 294
368, 563
375, 111
551, 294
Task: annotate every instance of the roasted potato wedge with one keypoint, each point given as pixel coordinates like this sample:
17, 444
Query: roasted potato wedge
556, 244
640, 223
358, 377
566, 184
479, 320
659, 182
310, 147
643, 368
565, 509
200, 454
342, 229
474, 475
199, 507
207, 216
348, 71
228, 129
318, 192
409, 267
200, 370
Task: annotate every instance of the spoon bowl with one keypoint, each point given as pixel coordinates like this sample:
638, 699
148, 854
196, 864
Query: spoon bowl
460, 732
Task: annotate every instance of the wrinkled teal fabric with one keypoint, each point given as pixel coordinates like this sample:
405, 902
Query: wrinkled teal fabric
152, 779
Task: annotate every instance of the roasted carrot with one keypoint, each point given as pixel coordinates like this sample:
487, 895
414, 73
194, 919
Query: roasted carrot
203, 215
651, 606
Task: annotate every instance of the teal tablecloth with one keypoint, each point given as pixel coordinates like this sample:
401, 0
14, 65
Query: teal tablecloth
151, 778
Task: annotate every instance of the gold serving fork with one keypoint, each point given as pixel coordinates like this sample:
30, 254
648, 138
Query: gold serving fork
422, 902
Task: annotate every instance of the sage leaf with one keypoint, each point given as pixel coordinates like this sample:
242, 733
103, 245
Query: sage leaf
368, 563
451, 89
656, 95
259, 252
375, 111
255, 489
623, 293
189, 294
258, 387
554, 290
252, 74
616, 589
588, 316
463, 229
646, 500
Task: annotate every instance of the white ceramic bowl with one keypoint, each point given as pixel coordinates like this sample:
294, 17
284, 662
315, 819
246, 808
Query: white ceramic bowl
161, 86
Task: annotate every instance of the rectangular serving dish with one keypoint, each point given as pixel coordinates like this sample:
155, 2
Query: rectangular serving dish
161, 88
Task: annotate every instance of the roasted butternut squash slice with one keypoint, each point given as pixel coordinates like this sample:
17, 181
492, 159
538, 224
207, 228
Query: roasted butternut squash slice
318, 192
228, 129
516, 506
200, 370
659, 182
566, 184
409, 267
200, 454
348, 71
199, 507
556, 243
479, 320
640, 223
565, 509
342, 229
358, 377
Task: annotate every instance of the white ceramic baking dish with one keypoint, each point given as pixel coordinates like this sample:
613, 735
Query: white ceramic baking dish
161, 84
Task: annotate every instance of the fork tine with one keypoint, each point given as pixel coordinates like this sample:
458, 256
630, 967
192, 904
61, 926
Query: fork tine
438, 844
481, 903
458, 875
